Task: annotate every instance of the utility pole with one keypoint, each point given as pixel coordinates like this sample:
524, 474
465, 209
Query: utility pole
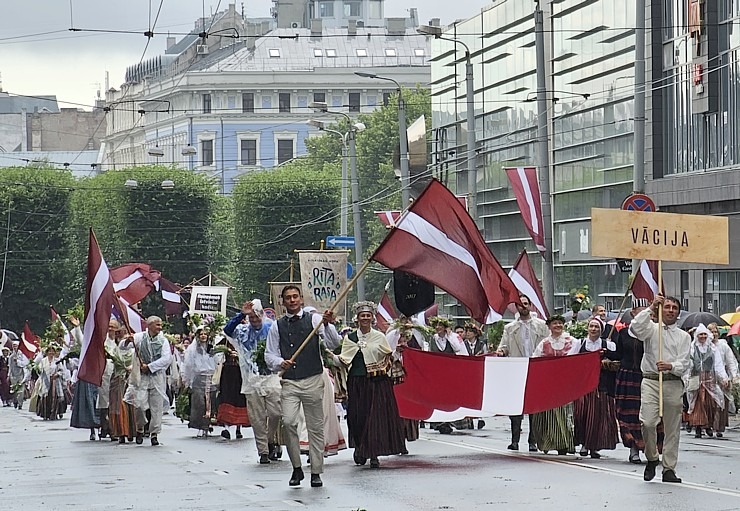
639, 156
472, 168
359, 255
345, 185
404, 147
548, 271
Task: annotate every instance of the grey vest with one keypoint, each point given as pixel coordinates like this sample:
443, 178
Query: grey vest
292, 334
433, 347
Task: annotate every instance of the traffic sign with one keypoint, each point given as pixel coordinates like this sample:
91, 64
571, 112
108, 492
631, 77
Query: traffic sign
638, 202
350, 270
340, 241
625, 265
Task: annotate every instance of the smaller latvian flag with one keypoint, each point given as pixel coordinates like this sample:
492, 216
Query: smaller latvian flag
525, 279
29, 343
527, 192
645, 284
386, 314
173, 302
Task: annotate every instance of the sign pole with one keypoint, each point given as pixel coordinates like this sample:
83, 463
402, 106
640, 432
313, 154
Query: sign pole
660, 340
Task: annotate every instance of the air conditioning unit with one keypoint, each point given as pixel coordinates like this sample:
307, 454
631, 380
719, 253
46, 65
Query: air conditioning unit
201, 49
295, 24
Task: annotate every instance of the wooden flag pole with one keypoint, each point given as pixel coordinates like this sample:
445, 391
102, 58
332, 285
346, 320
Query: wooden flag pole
660, 340
621, 308
124, 318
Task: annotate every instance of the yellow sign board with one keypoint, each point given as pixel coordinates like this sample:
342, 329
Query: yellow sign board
660, 236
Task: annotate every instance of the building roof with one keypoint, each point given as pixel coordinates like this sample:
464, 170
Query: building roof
16, 104
294, 49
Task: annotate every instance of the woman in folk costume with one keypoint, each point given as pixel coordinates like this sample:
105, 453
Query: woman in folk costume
707, 377
85, 413
375, 428
473, 340
51, 404
594, 416
721, 419
121, 415
232, 404
197, 375
553, 429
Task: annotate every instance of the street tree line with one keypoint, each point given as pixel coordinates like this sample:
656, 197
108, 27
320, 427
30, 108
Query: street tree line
247, 239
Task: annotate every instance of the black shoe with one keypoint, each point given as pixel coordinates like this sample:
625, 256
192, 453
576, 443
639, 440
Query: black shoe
316, 481
635, 459
275, 452
297, 477
649, 473
513, 446
264, 459
709, 432
720, 435
154, 440
584, 452
92, 437
595, 455
444, 429
139, 438
532, 448
239, 435
669, 476
121, 439
359, 460
374, 463
225, 434
481, 424
562, 452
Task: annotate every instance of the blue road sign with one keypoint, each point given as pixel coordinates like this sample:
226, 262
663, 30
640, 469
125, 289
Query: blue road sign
350, 270
340, 241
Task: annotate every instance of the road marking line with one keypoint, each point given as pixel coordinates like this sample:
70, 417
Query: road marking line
581, 466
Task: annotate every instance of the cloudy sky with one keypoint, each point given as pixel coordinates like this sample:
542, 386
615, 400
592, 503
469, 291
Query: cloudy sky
39, 55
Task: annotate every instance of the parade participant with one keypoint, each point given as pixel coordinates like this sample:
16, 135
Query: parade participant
259, 385
5, 394
197, 375
373, 422
85, 411
232, 404
444, 340
473, 340
627, 393
594, 418
519, 339
722, 418
148, 379
121, 415
302, 382
675, 363
51, 404
706, 379
19, 374
553, 429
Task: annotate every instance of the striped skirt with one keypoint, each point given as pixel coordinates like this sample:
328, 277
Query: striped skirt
232, 404
375, 428
121, 416
553, 429
595, 422
627, 401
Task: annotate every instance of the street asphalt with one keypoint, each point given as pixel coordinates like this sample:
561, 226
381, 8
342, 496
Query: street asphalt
46, 465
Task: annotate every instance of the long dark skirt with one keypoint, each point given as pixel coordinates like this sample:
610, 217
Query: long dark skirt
84, 413
410, 429
4, 385
200, 403
627, 402
53, 406
121, 416
375, 428
232, 404
722, 418
553, 429
595, 422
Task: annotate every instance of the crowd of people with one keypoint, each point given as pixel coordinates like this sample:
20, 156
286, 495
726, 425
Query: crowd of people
293, 378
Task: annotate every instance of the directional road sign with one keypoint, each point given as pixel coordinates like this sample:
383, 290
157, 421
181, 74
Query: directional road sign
340, 241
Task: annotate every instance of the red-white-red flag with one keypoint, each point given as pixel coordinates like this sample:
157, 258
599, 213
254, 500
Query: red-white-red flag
173, 303
99, 300
132, 319
423, 317
438, 241
134, 281
485, 386
525, 279
386, 313
29, 343
646, 280
527, 192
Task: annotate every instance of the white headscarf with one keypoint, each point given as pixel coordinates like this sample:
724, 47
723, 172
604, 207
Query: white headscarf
701, 329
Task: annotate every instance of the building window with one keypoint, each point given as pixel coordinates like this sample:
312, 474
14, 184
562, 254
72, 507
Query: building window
284, 150
419, 52
231, 102
375, 9
372, 100
248, 102
206, 152
361, 52
266, 102
248, 150
354, 101
336, 101
386, 98
274, 53
284, 102
319, 97
352, 9
317, 52
326, 9
331, 53
206, 103
390, 52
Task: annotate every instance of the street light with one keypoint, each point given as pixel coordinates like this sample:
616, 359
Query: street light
437, 33
356, 220
402, 137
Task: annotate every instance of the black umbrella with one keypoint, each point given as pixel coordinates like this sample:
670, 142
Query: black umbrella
583, 314
693, 319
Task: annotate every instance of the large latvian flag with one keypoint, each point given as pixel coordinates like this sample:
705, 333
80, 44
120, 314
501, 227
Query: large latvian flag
437, 240
134, 281
485, 386
99, 300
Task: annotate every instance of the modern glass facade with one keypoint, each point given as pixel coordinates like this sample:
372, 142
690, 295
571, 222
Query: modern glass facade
590, 76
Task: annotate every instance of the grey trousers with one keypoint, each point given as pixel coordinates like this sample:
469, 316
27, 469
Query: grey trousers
264, 416
156, 407
649, 418
308, 392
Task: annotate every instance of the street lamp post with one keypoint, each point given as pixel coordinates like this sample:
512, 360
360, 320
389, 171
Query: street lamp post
343, 205
402, 138
436, 32
356, 219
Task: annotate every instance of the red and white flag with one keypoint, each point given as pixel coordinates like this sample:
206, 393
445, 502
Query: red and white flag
132, 319
527, 192
423, 317
437, 240
646, 280
29, 342
54, 318
485, 386
173, 303
386, 313
99, 300
134, 281
389, 218
525, 279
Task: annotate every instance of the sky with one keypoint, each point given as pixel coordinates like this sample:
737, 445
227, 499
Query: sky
40, 56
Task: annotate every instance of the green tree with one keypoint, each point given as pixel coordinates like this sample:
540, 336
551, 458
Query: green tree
291, 207
37, 267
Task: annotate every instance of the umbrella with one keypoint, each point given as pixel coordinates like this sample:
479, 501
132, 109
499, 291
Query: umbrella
735, 330
692, 320
583, 314
731, 317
